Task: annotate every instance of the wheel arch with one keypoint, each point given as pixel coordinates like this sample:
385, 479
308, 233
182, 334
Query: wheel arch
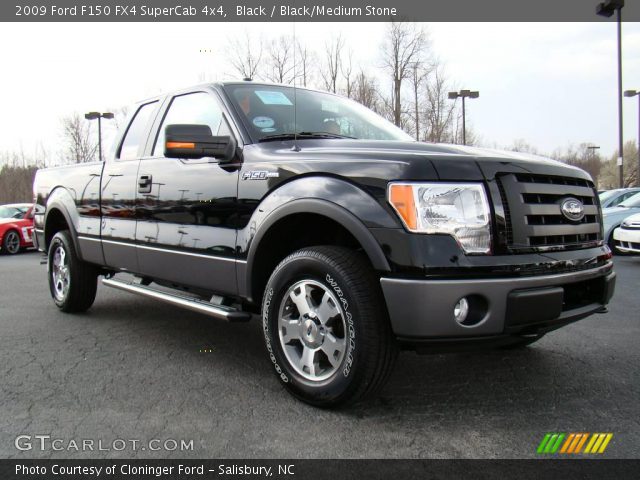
347, 230
60, 215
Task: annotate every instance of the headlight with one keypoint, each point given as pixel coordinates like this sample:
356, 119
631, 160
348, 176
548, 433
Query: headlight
457, 209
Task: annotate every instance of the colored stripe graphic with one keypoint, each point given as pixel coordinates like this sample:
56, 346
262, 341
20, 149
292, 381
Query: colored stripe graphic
551, 443
605, 443
598, 443
543, 443
572, 443
567, 442
582, 441
592, 440
556, 446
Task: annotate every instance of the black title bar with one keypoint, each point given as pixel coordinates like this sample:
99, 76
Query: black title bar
309, 11
316, 469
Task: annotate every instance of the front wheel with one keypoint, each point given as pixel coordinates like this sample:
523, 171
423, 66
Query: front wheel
326, 328
11, 243
73, 283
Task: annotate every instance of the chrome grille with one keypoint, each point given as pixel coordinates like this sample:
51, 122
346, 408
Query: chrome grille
535, 220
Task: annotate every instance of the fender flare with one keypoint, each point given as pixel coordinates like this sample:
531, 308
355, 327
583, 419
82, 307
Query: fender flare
60, 199
327, 209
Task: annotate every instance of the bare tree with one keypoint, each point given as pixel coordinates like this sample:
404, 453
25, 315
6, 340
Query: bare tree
79, 145
583, 157
245, 55
418, 77
439, 110
404, 45
346, 67
521, 145
304, 61
280, 60
456, 136
366, 91
16, 181
333, 61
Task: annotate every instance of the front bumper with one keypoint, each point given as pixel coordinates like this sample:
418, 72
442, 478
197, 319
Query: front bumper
627, 240
423, 309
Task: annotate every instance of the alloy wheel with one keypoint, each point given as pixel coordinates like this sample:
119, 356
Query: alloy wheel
312, 330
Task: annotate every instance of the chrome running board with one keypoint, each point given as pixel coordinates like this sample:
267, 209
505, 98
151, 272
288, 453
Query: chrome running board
219, 311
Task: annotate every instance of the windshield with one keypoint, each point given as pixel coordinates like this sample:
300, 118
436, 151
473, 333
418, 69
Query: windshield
12, 212
267, 112
604, 196
631, 202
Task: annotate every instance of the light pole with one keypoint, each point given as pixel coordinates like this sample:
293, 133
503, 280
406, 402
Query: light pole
463, 94
99, 116
593, 149
607, 9
636, 93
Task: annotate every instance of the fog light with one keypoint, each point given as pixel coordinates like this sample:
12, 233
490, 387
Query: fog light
461, 310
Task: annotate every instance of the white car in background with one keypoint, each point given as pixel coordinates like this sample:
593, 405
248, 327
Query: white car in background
627, 235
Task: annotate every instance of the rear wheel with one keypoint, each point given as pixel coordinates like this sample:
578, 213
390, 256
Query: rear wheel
72, 282
11, 243
326, 327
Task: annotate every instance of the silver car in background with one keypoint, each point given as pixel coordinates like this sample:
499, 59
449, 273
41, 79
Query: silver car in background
627, 236
614, 216
613, 198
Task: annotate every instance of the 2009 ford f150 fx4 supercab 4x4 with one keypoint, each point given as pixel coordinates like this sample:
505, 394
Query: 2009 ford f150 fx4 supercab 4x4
349, 238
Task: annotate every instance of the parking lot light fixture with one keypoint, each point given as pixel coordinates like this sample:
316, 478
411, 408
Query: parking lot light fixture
99, 116
636, 93
464, 94
607, 9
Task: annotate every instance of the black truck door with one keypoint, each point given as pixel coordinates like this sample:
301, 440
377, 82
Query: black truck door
118, 192
187, 209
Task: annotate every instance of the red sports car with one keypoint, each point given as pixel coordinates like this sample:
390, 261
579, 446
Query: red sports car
16, 227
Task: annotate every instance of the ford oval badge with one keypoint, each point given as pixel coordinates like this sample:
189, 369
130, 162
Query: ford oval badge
572, 209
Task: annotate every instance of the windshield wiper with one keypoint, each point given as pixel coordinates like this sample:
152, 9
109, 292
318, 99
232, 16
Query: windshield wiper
289, 136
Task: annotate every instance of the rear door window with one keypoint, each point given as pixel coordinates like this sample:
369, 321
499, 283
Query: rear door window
136, 132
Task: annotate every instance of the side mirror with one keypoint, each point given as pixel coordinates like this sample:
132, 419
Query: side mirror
196, 141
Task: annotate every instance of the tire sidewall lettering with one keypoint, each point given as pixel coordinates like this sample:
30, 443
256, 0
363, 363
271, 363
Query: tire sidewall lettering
351, 331
267, 338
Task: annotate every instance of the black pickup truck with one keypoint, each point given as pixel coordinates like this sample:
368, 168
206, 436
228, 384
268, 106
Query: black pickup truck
350, 239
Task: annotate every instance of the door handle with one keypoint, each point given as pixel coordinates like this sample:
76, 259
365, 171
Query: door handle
144, 183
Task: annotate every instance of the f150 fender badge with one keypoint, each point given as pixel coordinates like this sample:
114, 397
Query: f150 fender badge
572, 209
259, 175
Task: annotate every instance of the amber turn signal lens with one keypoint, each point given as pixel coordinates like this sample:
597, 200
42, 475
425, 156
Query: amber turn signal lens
181, 145
401, 197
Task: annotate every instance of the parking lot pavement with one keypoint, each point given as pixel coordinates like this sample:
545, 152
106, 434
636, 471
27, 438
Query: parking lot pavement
134, 369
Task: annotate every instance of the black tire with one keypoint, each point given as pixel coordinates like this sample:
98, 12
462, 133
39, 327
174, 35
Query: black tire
82, 278
11, 242
522, 342
612, 244
369, 348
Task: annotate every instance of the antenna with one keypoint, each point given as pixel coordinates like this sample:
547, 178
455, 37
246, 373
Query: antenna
295, 148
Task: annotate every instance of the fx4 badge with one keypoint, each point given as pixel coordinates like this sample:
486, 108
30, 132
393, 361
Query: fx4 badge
259, 175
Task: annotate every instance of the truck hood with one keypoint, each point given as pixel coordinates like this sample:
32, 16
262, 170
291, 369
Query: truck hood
448, 162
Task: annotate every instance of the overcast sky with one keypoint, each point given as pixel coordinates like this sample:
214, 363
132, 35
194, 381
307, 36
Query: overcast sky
549, 84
